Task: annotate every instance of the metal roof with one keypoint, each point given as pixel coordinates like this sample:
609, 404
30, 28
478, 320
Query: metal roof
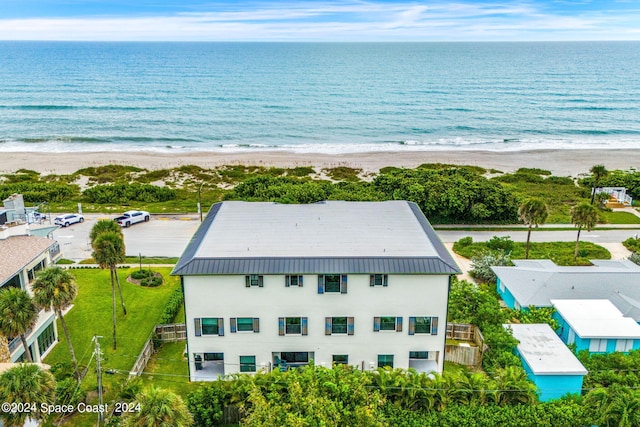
373, 237
544, 352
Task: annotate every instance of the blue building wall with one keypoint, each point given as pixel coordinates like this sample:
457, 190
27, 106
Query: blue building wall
584, 343
553, 386
506, 296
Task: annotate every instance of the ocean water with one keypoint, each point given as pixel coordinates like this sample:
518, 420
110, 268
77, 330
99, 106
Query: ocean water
318, 97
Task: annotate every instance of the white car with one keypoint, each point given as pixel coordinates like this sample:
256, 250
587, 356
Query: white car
67, 220
132, 217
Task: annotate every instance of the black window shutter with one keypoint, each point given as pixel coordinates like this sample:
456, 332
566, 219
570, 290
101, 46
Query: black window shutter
197, 326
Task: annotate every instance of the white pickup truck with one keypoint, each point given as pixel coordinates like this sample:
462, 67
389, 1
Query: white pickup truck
132, 217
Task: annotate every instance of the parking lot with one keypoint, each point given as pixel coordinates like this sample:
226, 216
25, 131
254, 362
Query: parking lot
162, 236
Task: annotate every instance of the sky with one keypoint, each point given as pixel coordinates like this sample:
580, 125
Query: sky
325, 20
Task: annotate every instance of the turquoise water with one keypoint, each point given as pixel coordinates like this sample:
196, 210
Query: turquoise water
318, 97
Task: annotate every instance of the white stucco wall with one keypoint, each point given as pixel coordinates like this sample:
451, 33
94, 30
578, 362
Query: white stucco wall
227, 296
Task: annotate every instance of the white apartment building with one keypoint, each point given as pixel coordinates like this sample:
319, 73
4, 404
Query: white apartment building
21, 257
272, 286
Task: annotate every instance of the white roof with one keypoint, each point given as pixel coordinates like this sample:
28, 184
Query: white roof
596, 318
326, 229
543, 351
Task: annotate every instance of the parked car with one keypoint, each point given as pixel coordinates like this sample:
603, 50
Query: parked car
67, 220
132, 217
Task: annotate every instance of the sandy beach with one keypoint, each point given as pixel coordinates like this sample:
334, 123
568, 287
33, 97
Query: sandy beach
559, 162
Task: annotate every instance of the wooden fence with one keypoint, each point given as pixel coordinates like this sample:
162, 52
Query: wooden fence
171, 332
143, 358
470, 351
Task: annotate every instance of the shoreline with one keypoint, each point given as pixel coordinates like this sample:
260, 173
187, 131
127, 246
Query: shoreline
559, 162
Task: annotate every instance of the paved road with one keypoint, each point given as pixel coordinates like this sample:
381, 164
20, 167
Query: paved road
162, 236
167, 235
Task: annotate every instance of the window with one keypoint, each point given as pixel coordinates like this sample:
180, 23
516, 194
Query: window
387, 323
338, 325
14, 282
292, 326
31, 273
209, 326
378, 280
341, 359
214, 357
598, 345
336, 283
419, 355
247, 363
385, 360
244, 324
46, 339
423, 325
624, 345
254, 280
295, 356
293, 281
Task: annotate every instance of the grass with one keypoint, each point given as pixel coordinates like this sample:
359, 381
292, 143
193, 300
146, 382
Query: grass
559, 252
91, 315
619, 217
134, 260
168, 369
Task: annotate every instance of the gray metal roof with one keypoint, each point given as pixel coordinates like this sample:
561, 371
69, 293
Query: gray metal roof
537, 283
328, 237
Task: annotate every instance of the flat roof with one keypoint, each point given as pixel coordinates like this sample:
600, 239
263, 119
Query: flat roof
544, 352
596, 318
17, 251
333, 228
325, 233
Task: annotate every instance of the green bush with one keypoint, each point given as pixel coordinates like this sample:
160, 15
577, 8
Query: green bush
481, 265
635, 258
141, 274
504, 244
125, 193
37, 192
632, 243
465, 241
172, 307
151, 282
68, 392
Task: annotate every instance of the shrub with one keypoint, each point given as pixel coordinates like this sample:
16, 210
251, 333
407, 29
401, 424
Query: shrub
481, 265
635, 258
504, 244
125, 193
465, 241
69, 393
172, 307
141, 274
632, 243
151, 282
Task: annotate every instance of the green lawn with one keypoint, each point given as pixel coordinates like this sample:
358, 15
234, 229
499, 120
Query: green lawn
91, 315
168, 369
559, 252
619, 218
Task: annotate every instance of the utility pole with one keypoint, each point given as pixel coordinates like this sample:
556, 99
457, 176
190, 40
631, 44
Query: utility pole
200, 204
98, 356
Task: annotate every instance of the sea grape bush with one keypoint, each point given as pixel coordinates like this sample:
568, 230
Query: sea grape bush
36, 192
124, 193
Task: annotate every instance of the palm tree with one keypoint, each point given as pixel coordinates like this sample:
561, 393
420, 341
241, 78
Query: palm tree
108, 251
159, 408
104, 226
614, 406
26, 384
532, 212
5, 353
598, 172
583, 215
18, 314
513, 387
54, 288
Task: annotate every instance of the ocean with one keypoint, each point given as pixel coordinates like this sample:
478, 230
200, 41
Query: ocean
318, 97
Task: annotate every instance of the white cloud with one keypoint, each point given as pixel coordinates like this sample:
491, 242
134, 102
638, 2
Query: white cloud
359, 21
